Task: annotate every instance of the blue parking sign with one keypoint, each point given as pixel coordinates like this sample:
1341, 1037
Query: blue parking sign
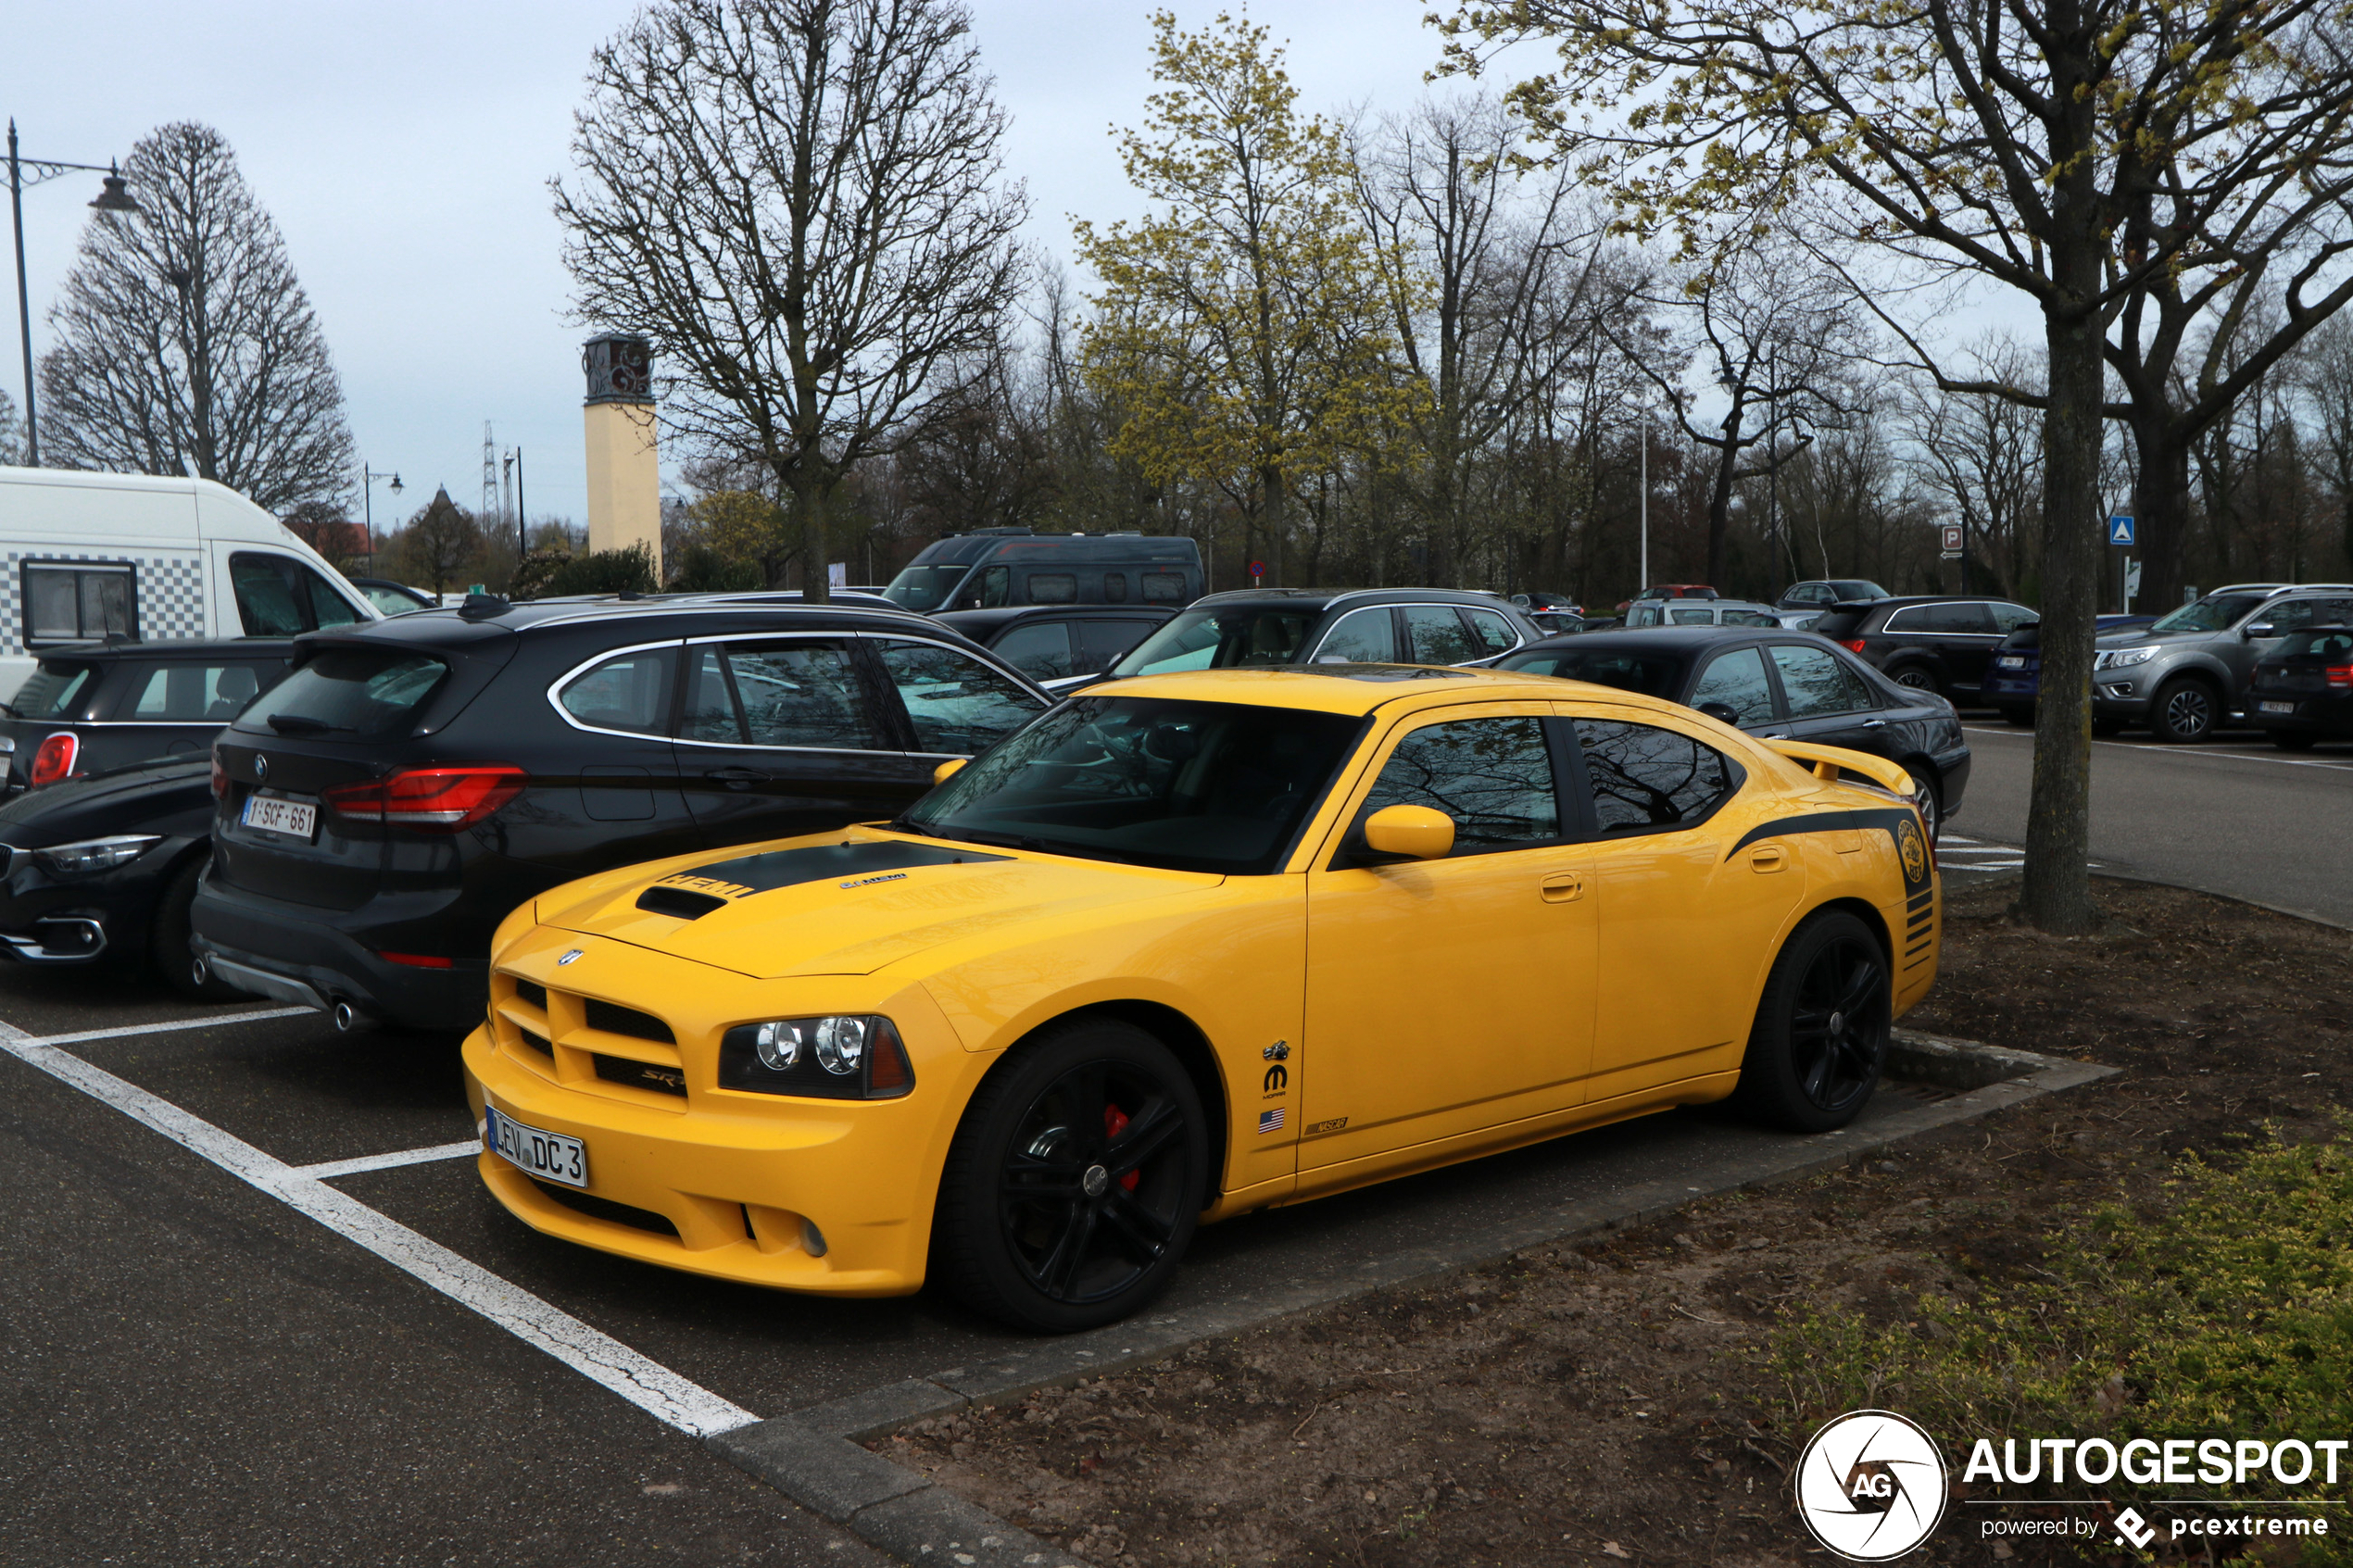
2120, 531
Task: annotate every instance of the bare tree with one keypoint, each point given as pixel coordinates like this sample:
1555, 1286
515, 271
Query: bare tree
1979, 456
439, 544
186, 345
11, 431
799, 202
2326, 371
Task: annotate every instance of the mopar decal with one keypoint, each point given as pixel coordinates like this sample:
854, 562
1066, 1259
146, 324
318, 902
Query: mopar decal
1901, 824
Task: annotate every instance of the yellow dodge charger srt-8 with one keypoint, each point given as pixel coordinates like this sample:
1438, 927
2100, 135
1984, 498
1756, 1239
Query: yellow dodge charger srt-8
1186, 947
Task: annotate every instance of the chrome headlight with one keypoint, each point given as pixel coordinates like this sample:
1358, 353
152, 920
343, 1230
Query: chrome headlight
2121, 658
92, 855
840, 1056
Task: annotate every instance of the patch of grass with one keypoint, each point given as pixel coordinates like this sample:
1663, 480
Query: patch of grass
2227, 1314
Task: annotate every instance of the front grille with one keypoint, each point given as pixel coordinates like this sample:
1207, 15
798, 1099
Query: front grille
536, 1042
533, 992
616, 1019
606, 1209
641, 1074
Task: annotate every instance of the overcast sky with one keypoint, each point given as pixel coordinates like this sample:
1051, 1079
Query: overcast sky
405, 151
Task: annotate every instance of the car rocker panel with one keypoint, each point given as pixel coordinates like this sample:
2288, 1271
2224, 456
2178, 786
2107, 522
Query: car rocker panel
622, 1003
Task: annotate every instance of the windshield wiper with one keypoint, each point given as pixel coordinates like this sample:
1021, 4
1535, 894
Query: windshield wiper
301, 724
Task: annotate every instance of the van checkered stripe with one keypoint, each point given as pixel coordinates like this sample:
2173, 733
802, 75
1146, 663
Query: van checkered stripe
169, 592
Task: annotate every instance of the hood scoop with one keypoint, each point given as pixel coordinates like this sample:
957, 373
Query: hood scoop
679, 903
699, 890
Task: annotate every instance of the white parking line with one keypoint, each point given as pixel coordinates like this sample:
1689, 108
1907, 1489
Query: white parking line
596, 1356
130, 1029
328, 1170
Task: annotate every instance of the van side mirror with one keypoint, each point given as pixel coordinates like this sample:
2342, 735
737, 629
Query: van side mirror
1412, 833
939, 775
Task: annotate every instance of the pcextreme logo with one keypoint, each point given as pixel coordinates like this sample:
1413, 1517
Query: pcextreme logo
1870, 1486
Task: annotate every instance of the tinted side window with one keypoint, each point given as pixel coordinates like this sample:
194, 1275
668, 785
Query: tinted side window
268, 602
192, 693
710, 706
1495, 632
1053, 588
1642, 777
1437, 636
1363, 636
1101, 642
1736, 679
1115, 587
801, 694
957, 705
1955, 619
1039, 650
1493, 776
628, 692
2008, 618
996, 586
1816, 683
1697, 615
1164, 587
73, 604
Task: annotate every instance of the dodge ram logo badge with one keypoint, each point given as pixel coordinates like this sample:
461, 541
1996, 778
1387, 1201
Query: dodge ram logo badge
576, 953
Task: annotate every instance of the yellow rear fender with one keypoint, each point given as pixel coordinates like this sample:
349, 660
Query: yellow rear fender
1828, 761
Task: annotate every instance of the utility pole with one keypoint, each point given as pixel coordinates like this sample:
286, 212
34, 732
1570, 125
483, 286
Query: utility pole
490, 506
522, 529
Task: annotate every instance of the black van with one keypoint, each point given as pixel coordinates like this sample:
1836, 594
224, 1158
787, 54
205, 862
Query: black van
990, 567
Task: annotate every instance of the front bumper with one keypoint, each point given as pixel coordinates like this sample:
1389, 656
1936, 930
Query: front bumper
46, 919
299, 955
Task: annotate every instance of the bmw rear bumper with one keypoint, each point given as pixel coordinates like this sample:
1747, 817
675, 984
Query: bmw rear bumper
316, 958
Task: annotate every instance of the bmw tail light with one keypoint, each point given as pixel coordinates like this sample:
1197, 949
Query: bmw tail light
2338, 674
1853, 645
436, 799
220, 775
56, 758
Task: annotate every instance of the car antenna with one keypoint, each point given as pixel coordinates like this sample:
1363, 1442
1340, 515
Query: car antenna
484, 607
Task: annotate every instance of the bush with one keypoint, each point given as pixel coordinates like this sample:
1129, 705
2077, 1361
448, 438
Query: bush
702, 569
2229, 1315
601, 572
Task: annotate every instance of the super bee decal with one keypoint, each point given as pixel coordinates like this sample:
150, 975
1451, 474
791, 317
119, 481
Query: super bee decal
1900, 823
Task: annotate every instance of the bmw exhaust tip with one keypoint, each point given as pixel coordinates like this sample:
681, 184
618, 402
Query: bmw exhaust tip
345, 1019
198, 972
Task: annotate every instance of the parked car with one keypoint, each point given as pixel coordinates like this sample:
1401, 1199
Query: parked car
1699, 612
2303, 689
412, 781
1823, 592
1021, 1040
2187, 674
1941, 643
103, 868
991, 567
1563, 623
94, 556
1670, 591
392, 599
91, 706
1057, 642
1275, 626
1778, 685
1537, 599
2016, 675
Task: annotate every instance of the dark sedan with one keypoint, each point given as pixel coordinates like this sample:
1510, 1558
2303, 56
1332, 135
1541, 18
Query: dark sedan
93, 706
1783, 685
2303, 692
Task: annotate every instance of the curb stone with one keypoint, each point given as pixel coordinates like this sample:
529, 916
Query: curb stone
815, 1455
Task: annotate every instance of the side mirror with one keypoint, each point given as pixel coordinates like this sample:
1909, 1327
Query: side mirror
2260, 629
939, 775
1415, 832
1722, 712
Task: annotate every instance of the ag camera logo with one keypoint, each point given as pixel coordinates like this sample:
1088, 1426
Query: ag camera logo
1870, 1486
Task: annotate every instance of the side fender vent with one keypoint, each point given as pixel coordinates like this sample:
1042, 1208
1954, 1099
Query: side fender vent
682, 903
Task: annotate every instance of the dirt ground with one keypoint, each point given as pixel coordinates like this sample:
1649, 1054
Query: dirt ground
1599, 1402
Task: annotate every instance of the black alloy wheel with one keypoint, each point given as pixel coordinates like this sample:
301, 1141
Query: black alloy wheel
1075, 1181
1821, 1031
1915, 677
1929, 799
2185, 711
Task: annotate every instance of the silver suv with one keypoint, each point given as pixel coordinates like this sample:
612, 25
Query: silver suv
2189, 672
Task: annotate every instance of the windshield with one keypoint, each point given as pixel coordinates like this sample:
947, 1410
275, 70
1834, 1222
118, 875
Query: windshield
52, 689
1196, 786
1653, 674
1856, 588
370, 693
925, 588
1222, 639
2216, 613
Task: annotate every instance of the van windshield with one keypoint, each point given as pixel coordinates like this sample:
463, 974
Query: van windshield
1223, 639
925, 588
368, 694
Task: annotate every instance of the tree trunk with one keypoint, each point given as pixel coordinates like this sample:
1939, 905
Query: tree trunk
1270, 485
1720, 505
2161, 508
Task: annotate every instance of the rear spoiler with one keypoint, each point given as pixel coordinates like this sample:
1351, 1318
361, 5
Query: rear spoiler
1830, 761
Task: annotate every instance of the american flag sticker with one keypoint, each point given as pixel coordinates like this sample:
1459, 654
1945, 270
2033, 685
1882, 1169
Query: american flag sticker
1271, 1120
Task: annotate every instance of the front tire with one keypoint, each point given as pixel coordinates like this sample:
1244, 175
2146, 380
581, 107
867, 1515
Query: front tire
167, 950
2186, 712
1075, 1181
1821, 1031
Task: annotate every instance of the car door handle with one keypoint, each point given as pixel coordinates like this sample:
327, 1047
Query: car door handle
1562, 886
738, 778
1875, 723
1767, 858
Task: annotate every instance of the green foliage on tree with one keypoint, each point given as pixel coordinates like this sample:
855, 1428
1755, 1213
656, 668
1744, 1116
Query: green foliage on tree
628, 570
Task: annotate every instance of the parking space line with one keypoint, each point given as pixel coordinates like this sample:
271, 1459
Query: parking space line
652, 1387
127, 1030
2181, 754
328, 1170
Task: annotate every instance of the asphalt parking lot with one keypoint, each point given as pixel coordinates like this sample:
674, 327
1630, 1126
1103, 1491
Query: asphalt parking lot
262, 1309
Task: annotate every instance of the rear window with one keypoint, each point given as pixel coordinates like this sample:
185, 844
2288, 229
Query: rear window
368, 694
2318, 647
1653, 674
53, 689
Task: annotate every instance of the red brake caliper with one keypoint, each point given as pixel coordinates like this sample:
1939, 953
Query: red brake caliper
1115, 1124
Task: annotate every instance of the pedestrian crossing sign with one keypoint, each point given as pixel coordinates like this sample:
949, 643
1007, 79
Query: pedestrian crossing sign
2120, 531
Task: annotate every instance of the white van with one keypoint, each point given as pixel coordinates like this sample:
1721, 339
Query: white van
93, 555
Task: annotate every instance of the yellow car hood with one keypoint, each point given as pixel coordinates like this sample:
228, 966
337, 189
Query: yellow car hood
845, 905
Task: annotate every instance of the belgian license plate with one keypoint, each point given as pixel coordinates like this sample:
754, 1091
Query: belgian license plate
267, 814
2276, 707
2012, 661
551, 1156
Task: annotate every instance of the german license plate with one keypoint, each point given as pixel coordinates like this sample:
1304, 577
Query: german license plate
2276, 707
2011, 661
294, 819
551, 1156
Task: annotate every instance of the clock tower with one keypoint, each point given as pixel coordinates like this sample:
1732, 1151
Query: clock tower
624, 469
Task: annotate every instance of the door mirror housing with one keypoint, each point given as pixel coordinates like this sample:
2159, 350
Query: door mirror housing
940, 775
2259, 629
1722, 712
1412, 833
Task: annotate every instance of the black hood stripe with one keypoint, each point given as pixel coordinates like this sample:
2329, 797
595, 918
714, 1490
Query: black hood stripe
747, 874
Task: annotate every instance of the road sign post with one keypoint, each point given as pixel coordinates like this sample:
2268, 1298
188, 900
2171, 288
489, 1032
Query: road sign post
2119, 534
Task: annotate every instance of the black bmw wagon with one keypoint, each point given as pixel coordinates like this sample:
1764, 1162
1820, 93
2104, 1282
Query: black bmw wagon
413, 780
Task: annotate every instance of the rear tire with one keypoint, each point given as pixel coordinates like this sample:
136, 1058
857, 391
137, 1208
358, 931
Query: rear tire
2294, 740
2185, 711
168, 952
1915, 677
1075, 1181
1821, 1038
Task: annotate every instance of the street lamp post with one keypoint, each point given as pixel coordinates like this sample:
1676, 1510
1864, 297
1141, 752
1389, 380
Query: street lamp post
368, 478
114, 197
